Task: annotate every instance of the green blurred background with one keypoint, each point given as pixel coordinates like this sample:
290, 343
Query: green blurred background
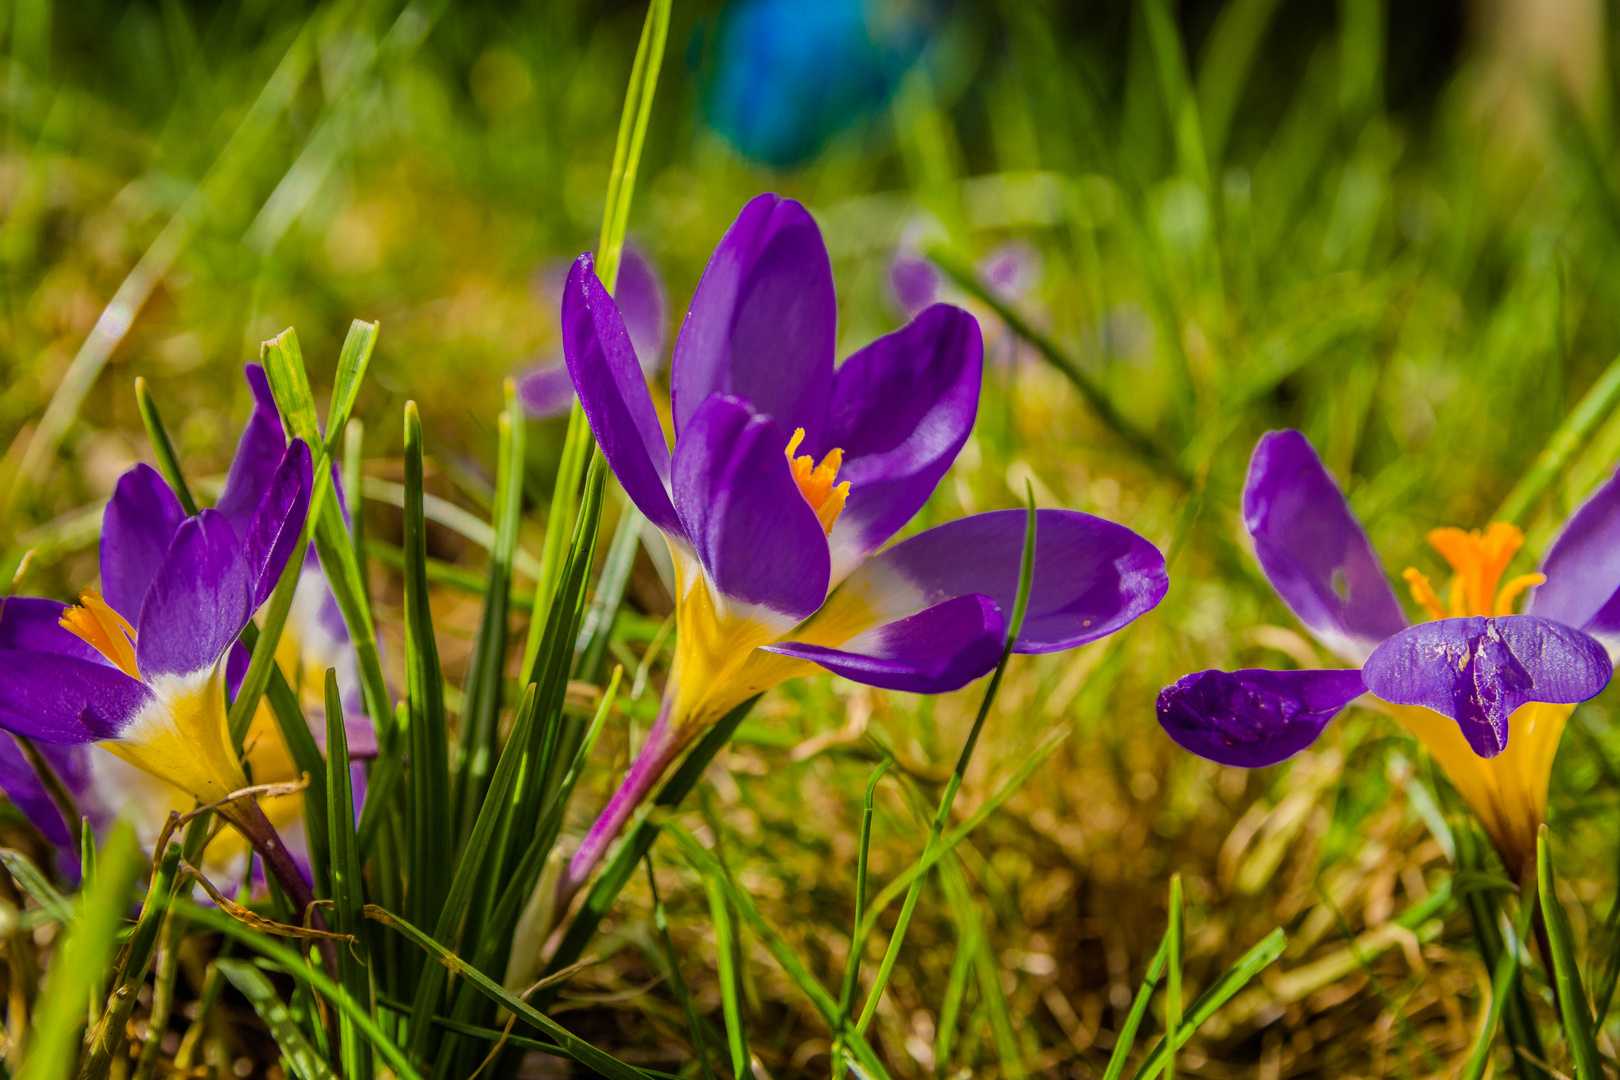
1394, 226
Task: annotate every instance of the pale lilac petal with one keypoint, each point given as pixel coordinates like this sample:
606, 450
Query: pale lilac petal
1477, 671
136, 529
28, 793
915, 282
1254, 718
35, 625
199, 602
614, 393
640, 296
757, 538
1583, 569
901, 410
1092, 577
1011, 270
763, 321
62, 699
546, 391
1313, 549
258, 454
934, 651
277, 526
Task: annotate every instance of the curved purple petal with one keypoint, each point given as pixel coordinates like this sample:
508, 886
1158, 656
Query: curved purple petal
27, 791
1477, 671
640, 296
1583, 569
614, 393
278, 524
258, 453
199, 602
63, 699
915, 282
762, 322
934, 651
546, 391
1254, 718
751, 528
34, 625
136, 529
1092, 577
901, 409
1313, 549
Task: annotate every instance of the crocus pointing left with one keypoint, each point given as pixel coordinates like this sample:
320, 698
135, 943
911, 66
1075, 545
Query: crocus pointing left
140, 667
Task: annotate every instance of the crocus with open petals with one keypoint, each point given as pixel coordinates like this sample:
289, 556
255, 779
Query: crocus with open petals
1485, 690
789, 476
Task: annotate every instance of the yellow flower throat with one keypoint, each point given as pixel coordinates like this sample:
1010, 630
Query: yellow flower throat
816, 481
1478, 561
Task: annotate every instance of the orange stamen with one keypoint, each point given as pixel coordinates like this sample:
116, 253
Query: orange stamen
1478, 560
104, 630
1510, 592
1423, 593
816, 482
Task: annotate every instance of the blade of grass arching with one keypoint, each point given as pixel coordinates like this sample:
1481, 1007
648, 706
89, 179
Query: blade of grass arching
725, 959
852, 963
440, 572
290, 963
711, 868
1176, 936
475, 753
677, 982
168, 462
1209, 1002
463, 523
348, 888
937, 828
430, 826
29, 878
970, 925
81, 962
639, 840
118, 316
598, 624
107, 1038
1224, 67
1126, 1039
295, 1050
1550, 464
1507, 969
353, 444
571, 1044
353, 360
1577, 1018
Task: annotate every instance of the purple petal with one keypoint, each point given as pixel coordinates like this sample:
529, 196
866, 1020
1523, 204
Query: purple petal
546, 391
752, 529
27, 791
763, 321
236, 667
1477, 671
901, 409
1092, 577
35, 625
1313, 549
1254, 718
1011, 269
278, 524
640, 296
934, 651
258, 453
63, 699
199, 602
915, 283
136, 530
614, 393
1583, 569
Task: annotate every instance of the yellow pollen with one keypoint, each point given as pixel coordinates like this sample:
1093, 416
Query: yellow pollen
1478, 561
104, 630
816, 481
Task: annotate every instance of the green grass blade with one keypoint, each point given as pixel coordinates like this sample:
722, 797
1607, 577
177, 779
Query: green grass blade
283, 360
1126, 1039
352, 363
307, 759
168, 462
1550, 464
35, 884
598, 624
987, 972
725, 958
296, 1051
1234, 979
348, 888
82, 961
852, 964
1575, 1013
677, 982
1507, 970
1172, 989
431, 839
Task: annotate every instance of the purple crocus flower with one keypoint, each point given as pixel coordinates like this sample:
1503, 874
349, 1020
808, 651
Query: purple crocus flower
1486, 691
787, 479
547, 390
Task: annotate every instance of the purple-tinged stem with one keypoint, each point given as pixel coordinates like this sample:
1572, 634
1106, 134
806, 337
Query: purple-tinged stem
249, 820
663, 745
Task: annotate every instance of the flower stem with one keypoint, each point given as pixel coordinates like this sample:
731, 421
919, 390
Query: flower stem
250, 821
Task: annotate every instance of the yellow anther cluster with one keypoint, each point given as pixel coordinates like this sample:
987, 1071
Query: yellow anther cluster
1478, 560
104, 630
816, 482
